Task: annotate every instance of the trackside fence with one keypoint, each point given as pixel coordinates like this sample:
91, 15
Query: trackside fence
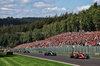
67, 49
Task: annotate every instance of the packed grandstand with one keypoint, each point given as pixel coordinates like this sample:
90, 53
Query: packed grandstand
69, 38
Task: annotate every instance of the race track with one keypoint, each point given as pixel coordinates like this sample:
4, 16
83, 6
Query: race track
66, 59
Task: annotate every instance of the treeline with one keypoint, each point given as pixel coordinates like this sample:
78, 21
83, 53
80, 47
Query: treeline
31, 26
18, 21
87, 20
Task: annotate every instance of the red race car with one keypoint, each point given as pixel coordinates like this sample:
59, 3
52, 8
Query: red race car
79, 55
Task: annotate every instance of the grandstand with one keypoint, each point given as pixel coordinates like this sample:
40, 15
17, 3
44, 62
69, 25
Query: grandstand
69, 38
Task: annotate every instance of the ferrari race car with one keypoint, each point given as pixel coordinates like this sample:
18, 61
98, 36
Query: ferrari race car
50, 53
79, 55
40, 51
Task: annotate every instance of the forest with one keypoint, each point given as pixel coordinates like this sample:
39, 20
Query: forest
87, 20
18, 21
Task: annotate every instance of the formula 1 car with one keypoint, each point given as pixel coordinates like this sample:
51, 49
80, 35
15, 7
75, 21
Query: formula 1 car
9, 52
40, 51
50, 53
79, 55
26, 51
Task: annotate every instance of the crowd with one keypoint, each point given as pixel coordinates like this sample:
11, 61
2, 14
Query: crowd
69, 38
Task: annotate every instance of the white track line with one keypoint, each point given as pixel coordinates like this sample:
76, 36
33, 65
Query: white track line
50, 60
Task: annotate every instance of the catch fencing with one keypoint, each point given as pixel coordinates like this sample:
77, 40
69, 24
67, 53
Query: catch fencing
67, 49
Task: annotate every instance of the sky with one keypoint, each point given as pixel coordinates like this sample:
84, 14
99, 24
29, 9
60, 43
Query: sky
42, 8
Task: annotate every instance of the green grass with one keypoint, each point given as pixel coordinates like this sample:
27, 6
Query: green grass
95, 57
19, 60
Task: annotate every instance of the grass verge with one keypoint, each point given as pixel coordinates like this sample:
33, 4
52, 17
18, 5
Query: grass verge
19, 60
95, 57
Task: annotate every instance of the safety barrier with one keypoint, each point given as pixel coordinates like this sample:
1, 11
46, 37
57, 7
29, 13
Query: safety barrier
94, 50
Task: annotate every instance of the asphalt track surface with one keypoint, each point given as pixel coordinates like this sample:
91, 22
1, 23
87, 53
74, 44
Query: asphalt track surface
66, 59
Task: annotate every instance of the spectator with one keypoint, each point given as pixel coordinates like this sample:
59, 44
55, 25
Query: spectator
74, 38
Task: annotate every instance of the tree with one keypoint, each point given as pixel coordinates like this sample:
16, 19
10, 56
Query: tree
36, 34
96, 19
95, 4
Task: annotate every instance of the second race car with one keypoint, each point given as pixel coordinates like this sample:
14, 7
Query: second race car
50, 53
